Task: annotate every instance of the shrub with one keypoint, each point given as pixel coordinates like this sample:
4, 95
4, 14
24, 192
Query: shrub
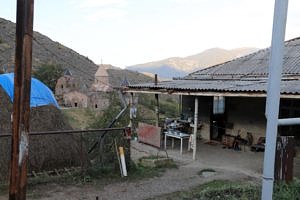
49, 74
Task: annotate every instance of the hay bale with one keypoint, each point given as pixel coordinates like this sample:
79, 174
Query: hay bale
46, 151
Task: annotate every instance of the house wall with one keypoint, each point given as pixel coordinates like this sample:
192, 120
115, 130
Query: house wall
243, 115
246, 115
204, 104
290, 108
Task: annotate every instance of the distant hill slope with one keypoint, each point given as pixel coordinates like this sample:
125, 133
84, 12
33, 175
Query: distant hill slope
117, 75
177, 66
45, 51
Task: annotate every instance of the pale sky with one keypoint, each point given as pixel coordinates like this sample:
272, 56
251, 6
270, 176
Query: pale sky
127, 32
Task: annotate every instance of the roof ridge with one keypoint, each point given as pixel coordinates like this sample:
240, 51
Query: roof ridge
293, 39
260, 50
242, 57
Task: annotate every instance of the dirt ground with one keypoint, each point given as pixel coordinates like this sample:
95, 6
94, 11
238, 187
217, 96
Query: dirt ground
229, 165
209, 156
173, 180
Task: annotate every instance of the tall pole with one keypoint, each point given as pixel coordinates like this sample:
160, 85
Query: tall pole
195, 128
21, 104
18, 83
27, 51
273, 95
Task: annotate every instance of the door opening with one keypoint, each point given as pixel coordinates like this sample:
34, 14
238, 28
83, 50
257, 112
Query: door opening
218, 119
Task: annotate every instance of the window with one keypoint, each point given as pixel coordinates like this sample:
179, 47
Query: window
219, 105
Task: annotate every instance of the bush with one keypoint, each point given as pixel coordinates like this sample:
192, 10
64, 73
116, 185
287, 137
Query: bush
49, 74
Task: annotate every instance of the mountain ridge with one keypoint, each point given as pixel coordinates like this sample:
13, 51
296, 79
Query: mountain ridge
45, 51
181, 66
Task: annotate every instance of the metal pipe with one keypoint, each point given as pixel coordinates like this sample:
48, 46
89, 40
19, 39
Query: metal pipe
109, 126
288, 121
273, 96
123, 163
195, 128
68, 131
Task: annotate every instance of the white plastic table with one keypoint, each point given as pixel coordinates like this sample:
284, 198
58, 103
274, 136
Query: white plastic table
177, 135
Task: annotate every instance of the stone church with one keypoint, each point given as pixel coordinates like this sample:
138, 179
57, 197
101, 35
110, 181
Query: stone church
72, 92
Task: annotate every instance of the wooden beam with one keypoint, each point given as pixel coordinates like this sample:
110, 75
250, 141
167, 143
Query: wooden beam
203, 93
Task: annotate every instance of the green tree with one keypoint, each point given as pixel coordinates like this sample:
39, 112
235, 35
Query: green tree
49, 74
109, 115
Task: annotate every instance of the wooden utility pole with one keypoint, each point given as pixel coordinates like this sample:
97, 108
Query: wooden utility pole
21, 103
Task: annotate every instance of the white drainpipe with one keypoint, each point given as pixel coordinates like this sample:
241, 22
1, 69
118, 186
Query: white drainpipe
288, 121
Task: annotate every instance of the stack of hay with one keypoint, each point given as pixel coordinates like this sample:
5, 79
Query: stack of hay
47, 151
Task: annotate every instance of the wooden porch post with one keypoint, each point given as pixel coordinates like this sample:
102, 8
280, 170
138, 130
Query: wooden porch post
157, 110
131, 112
179, 105
157, 104
195, 128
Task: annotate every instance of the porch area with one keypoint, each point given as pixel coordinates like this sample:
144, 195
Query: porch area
212, 156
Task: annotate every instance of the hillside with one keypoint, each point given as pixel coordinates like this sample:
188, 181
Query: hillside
45, 51
180, 66
117, 75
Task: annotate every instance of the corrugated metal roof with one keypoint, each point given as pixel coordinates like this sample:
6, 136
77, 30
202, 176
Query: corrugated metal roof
255, 64
245, 74
287, 86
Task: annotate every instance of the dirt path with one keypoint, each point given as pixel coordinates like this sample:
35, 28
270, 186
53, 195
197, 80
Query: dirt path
182, 178
172, 180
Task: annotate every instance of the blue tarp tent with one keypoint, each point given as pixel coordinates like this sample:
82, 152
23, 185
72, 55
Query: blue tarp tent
40, 94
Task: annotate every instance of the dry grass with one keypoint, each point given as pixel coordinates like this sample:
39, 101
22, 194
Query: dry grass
80, 118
